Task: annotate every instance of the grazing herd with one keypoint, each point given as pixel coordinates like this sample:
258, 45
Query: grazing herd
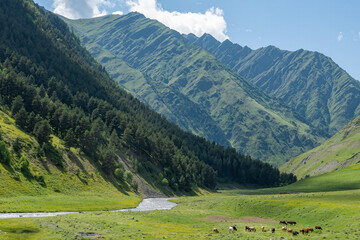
272, 230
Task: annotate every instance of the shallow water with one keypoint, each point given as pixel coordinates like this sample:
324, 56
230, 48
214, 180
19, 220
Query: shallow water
148, 204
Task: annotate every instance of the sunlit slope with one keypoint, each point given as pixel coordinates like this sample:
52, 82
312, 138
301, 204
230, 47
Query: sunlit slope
195, 87
44, 186
342, 150
312, 83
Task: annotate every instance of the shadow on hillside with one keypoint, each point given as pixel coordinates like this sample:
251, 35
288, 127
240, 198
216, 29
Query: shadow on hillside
108, 177
76, 160
54, 156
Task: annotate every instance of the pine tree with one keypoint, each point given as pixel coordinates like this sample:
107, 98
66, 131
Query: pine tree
17, 104
21, 118
42, 131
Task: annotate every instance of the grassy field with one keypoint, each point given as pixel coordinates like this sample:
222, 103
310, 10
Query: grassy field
345, 179
337, 212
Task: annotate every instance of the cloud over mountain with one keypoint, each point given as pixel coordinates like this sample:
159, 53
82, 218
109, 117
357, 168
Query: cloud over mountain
212, 21
81, 8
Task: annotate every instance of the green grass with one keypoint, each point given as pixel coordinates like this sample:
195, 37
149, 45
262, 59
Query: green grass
341, 150
345, 179
337, 212
84, 201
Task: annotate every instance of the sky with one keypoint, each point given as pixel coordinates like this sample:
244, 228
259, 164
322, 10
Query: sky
331, 27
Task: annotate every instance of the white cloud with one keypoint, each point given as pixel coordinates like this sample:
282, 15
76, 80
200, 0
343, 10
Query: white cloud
75, 9
340, 36
118, 13
212, 21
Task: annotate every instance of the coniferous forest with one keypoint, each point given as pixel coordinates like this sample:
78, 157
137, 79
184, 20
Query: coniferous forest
51, 85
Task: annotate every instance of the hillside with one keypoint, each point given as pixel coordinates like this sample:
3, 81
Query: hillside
313, 84
342, 150
63, 116
192, 88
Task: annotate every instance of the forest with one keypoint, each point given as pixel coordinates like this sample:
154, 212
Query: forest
51, 85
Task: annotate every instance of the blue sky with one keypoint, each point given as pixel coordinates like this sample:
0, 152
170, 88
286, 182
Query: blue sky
327, 26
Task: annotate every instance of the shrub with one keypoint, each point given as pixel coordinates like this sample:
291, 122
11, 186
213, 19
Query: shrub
165, 182
5, 157
119, 173
129, 176
24, 166
16, 145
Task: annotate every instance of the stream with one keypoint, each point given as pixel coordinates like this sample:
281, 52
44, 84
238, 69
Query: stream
147, 204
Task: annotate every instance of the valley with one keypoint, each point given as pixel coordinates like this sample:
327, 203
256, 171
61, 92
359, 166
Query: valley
195, 217
142, 132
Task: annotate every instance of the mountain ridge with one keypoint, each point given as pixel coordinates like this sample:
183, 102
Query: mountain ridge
310, 82
231, 101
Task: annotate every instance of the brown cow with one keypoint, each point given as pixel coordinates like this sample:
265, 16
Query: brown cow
215, 230
289, 230
291, 222
302, 230
262, 228
310, 229
318, 227
284, 228
250, 229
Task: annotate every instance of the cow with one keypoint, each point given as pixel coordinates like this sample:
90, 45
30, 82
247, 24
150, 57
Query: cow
289, 230
272, 230
310, 229
250, 229
291, 222
295, 233
284, 228
232, 229
318, 227
215, 230
262, 228
302, 230
283, 222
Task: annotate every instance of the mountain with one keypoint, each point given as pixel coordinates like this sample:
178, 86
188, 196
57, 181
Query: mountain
66, 126
313, 84
340, 151
192, 88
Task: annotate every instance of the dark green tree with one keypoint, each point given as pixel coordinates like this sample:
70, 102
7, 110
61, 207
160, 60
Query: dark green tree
70, 139
17, 104
42, 131
21, 118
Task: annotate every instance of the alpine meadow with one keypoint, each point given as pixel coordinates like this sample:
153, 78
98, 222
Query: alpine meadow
120, 127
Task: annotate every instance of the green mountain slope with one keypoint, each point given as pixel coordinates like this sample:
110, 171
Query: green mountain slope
342, 150
187, 80
311, 83
62, 117
159, 96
